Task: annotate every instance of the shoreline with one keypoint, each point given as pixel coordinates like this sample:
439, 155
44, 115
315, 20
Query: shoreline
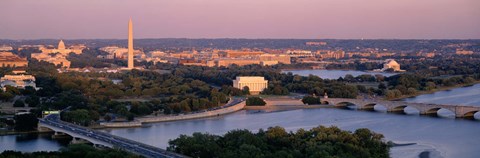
153, 119
434, 91
13, 132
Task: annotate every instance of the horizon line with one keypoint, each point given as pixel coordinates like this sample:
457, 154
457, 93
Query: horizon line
32, 39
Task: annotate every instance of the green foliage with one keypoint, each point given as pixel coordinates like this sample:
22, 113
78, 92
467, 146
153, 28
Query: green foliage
410, 84
311, 100
32, 101
392, 94
79, 116
73, 150
18, 103
88, 58
276, 142
276, 90
255, 101
280, 83
25, 122
6, 96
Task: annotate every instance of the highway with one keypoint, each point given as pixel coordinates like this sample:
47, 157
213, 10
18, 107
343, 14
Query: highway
117, 142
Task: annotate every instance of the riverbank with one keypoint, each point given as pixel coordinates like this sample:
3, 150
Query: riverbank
151, 119
12, 132
435, 90
286, 107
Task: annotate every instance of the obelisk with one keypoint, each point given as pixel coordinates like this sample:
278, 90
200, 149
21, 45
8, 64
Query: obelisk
130, 44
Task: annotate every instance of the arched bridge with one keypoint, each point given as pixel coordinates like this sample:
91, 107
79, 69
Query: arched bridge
102, 139
460, 111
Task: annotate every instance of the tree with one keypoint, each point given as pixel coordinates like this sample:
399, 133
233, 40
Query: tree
362, 88
311, 100
349, 78
392, 94
107, 118
25, 122
277, 142
382, 86
411, 91
79, 116
469, 80
246, 90
18, 103
255, 101
430, 86
6, 96
32, 101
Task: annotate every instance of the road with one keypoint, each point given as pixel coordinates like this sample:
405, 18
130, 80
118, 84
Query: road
117, 142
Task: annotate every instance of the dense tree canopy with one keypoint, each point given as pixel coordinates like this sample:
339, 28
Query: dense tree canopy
310, 100
255, 101
25, 122
74, 150
276, 142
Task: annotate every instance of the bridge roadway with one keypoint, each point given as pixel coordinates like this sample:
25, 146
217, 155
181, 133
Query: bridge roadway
102, 139
460, 111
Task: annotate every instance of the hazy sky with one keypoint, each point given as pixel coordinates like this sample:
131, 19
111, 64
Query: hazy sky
86, 19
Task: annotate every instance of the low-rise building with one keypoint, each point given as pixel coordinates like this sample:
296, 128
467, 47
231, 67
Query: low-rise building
240, 62
19, 81
331, 54
284, 59
5, 48
299, 53
115, 52
255, 84
268, 62
463, 52
57, 59
238, 53
315, 43
8, 59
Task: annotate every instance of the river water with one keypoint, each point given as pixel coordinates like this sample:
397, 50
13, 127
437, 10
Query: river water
459, 96
442, 137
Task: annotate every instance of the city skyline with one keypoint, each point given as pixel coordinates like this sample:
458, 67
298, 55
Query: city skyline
325, 19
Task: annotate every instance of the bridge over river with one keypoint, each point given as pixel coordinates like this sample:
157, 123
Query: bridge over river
101, 139
460, 111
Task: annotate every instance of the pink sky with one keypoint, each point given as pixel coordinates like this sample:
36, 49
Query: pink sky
342, 19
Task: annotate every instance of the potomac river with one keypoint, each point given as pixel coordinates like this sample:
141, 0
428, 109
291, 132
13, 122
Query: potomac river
438, 136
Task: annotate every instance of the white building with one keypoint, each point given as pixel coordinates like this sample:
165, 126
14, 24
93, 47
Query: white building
57, 56
255, 84
5, 48
463, 52
77, 49
19, 81
391, 64
299, 53
119, 53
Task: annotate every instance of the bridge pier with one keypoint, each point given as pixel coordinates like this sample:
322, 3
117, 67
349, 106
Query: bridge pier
43, 129
396, 109
59, 135
79, 141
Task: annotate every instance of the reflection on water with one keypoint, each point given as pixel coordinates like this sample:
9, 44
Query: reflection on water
31, 142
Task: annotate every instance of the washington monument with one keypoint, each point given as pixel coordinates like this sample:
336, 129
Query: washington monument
130, 44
